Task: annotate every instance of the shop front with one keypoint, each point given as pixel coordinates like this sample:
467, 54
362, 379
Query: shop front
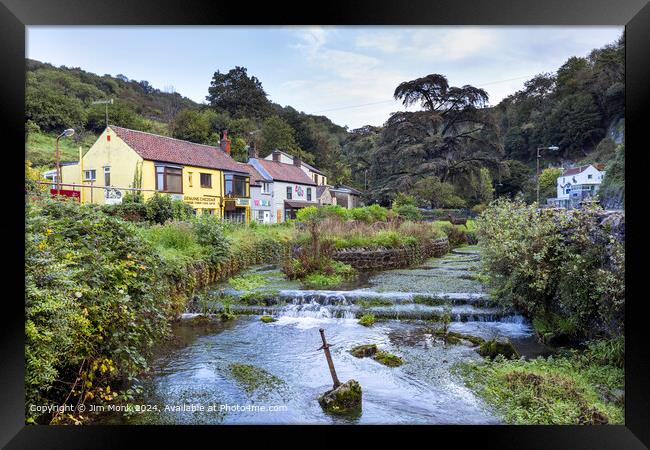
236, 210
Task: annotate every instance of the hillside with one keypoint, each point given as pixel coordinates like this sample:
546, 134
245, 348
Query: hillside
454, 152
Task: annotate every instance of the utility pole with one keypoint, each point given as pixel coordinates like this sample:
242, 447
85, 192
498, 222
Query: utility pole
104, 102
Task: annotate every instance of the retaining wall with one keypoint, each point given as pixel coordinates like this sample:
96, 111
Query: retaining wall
392, 258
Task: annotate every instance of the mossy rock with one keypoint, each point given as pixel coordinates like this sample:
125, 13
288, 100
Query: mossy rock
363, 351
459, 338
268, 319
494, 347
367, 320
345, 399
388, 359
226, 316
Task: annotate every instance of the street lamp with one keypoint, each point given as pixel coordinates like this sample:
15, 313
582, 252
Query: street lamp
552, 148
57, 156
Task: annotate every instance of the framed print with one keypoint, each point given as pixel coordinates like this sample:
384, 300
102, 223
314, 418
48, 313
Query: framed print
370, 218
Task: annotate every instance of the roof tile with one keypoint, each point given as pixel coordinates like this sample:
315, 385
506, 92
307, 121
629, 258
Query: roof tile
286, 172
166, 149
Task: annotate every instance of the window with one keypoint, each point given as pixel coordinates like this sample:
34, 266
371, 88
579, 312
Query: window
316, 178
90, 175
169, 179
107, 176
289, 192
589, 177
260, 216
308, 194
189, 179
266, 188
206, 180
235, 185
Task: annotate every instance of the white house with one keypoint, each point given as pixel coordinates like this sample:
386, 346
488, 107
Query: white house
291, 187
261, 195
320, 179
577, 184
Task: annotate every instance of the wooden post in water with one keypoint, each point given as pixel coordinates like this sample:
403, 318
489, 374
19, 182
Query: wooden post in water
328, 356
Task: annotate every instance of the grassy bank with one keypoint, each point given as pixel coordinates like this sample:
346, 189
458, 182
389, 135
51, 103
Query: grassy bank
574, 388
40, 148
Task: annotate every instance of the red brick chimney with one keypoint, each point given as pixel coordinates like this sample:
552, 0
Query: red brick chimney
276, 156
296, 161
225, 142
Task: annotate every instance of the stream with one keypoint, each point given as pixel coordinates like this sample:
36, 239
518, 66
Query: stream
424, 390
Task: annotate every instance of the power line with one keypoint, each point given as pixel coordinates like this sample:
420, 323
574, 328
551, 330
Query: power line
393, 100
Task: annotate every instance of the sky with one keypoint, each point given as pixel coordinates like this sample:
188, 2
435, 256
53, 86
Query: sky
346, 73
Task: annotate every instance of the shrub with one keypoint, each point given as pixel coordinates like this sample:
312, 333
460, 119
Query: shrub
408, 212
478, 209
320, 280
550, 263
159, 208
209, 232
457, 237
131, 211
95, 304
181, 210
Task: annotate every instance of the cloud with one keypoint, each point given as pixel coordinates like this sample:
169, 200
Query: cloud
429, 44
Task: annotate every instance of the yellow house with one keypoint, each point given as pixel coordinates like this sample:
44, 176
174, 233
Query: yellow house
206, 177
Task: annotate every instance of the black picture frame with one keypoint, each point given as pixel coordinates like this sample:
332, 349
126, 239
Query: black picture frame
16, 14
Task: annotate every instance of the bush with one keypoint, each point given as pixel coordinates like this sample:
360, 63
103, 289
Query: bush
131, 211
478, 209
95, 304
159, 208
182, 210
209, 232
457, 236
408, 212
552, 263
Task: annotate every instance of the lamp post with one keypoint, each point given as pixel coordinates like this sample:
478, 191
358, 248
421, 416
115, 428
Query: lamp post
552, 148
57, 157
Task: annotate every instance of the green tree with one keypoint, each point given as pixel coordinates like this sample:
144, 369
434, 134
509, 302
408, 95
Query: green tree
238, 94
438, 194
195, 126
120, 113
449, 136
483, 191
548, 183
515, 180
277, 134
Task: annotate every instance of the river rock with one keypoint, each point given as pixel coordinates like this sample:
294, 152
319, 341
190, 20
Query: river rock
388, 359
344, 399
363, 351
494, 347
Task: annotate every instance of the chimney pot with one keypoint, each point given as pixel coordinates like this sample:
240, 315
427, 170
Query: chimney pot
252, 151
276, 156
225, 142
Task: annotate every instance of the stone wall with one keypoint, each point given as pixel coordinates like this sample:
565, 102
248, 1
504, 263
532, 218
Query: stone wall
392, 258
